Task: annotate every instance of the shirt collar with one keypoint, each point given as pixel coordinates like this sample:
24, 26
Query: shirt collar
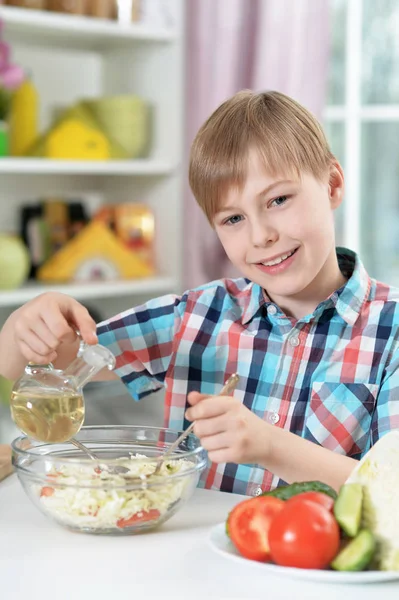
251, 302
348, 300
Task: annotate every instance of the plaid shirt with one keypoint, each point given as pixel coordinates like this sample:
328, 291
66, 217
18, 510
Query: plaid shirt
331, 377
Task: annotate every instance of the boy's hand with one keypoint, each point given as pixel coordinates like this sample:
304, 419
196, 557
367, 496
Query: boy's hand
40, 326
228, 430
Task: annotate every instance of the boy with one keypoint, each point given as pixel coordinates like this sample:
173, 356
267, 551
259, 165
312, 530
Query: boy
312, 337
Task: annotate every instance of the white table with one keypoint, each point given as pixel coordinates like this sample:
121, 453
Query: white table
40, 560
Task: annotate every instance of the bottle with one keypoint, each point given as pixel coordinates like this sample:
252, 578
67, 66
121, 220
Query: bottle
78, 218
55, 212
47, 404
36, 236
23, 119
102, 9
74, 7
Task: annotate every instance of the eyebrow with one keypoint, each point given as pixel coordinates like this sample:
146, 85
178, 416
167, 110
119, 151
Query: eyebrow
268, 189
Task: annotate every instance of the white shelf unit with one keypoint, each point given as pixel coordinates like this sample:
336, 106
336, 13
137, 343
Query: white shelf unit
38, 166
88, 291
73, 58
55, 28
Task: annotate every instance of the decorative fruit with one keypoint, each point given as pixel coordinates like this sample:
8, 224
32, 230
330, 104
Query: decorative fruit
14, 261
72, 139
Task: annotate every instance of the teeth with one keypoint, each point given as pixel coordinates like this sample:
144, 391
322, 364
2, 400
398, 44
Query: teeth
278, 260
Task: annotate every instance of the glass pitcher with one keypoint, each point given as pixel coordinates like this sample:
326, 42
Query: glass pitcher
47, 403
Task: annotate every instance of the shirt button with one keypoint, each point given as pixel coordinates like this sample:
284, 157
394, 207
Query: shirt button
294, 341
274, 418
271, 309
257, 491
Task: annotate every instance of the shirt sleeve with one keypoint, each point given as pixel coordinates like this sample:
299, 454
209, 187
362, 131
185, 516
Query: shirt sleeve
141, 340
386, 414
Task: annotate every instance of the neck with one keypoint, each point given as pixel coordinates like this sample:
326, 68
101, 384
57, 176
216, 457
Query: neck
327, 281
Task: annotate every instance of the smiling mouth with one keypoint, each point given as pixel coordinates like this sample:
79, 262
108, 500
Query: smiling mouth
280, 259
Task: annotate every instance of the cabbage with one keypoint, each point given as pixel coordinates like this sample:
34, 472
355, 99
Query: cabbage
378, 473
81, 497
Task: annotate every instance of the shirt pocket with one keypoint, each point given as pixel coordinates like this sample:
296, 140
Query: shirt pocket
339, 416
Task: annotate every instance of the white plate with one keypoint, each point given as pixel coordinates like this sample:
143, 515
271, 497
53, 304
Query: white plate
221, 544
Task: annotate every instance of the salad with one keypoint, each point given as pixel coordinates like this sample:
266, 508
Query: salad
307, 525
82, 496
304, 526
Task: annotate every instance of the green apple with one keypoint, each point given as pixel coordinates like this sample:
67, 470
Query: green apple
5, 390
14, 261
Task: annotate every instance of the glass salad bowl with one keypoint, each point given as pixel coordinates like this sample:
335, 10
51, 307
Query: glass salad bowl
87, 496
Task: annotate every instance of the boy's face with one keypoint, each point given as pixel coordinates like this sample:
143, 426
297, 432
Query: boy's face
279, 231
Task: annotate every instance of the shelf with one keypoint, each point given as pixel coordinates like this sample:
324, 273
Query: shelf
74, 57
85, 291
42, 166
47, 28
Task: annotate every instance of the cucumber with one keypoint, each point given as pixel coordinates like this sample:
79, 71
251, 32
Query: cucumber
288, 491
358, 553
348, 508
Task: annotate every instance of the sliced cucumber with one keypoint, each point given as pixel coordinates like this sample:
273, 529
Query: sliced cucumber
348, 508
288, 491
358, 553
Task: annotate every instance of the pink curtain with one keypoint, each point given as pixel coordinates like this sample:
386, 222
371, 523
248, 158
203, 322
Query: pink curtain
235, 44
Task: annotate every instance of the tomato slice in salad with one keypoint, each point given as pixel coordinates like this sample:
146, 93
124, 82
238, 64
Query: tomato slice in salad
46, 491
249, 523
140, 517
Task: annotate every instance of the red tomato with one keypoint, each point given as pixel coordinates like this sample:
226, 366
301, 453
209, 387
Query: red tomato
140, 517
249, 524
304, 535
317, 497
47, 491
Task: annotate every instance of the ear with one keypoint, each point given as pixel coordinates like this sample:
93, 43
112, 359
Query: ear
336, 185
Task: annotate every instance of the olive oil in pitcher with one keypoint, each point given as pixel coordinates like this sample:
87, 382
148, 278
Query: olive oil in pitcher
46, 416
47, 404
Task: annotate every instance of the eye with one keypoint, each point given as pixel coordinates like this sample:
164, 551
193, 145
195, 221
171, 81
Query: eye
233, 220
279, 201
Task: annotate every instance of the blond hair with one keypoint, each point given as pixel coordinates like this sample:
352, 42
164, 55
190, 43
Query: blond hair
288, 137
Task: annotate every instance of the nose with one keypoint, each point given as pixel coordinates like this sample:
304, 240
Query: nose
262, 234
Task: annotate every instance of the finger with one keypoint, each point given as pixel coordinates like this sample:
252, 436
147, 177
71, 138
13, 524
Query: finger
211, 406
34, 357
58, 325
84, 323
35, 344
43, 332
221, 456
207, 427
195, 397
63, 317
213, 443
